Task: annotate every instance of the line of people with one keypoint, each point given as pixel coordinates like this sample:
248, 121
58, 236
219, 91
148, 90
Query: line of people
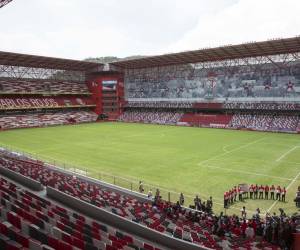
262, 192
255, 192
231, 196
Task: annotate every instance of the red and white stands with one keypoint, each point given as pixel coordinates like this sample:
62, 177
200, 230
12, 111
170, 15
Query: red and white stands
47, 119
41, 86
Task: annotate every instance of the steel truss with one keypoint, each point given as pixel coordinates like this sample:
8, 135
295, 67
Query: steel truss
40, 73
4, 2
165, 73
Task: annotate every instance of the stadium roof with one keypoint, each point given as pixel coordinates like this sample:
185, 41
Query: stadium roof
255, 49
23, 60
4, 2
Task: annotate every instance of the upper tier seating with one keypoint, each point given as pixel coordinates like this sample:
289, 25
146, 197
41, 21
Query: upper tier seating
159, 104
28, 221
262, 105
49, 119
197, 227
151, 117
42, 86
233, 83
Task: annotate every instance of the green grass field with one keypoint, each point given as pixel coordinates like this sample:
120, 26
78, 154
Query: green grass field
192, 160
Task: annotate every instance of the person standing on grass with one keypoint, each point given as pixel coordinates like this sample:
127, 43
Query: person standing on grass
181, 199
283, 193
197, 202
235, 192
225, 200
278, 193
141, 187
240, 194
209, 204
243, 212
272, 191
251, 191
231, 196
267, 192
255, 191
261, 192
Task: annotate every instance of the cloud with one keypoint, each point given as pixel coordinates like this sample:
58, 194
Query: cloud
79, 29
244, 21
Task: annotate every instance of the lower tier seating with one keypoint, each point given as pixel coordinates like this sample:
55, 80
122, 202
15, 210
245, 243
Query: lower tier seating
28, 221
48, 119
151, 117
264, 122
201, 228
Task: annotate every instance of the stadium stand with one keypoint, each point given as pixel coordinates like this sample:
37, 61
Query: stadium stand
263, 122
33, 222
47, 119
41, 86
156, 117
283, 123
42, 91
199, 227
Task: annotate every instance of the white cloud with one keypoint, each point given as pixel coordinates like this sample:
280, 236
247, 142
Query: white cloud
245, 21
80, 29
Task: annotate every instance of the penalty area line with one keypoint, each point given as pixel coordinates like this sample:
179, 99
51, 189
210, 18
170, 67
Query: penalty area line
230, 151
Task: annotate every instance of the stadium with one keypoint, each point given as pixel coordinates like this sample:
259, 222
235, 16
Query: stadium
189, 150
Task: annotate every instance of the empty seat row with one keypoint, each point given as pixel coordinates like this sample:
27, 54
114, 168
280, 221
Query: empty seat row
28, 221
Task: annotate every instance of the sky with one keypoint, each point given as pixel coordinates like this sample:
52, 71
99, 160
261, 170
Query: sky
78, 29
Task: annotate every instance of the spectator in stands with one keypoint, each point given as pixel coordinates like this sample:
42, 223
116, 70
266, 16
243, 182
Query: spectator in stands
149, 194
249, 232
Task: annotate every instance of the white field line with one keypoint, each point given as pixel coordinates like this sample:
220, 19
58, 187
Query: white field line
245, 172
225, 149
233, 150
286, 153
291, 183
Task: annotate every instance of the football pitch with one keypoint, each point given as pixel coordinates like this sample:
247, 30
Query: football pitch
192, 160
